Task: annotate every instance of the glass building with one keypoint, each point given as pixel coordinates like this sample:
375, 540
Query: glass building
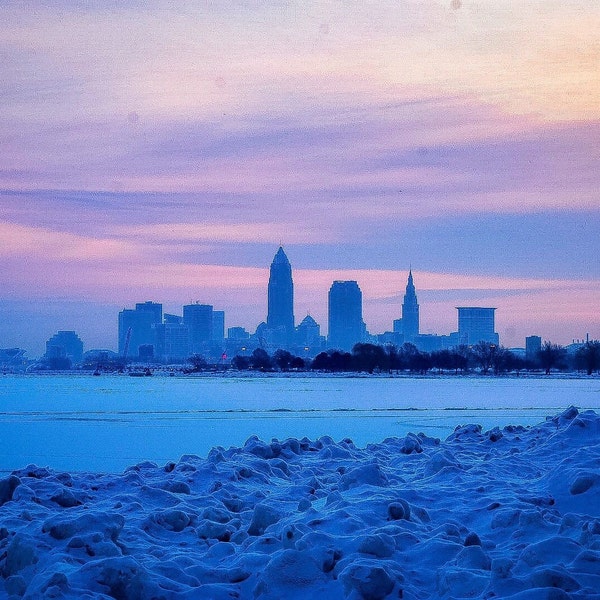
346, 326
280, 312
476, 324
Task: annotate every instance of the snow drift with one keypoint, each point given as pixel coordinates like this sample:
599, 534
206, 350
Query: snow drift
512, 512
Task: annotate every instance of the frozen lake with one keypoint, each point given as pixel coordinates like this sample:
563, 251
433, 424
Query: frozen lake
107, 423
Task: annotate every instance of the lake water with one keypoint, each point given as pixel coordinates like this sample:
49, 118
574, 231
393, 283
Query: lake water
85, 423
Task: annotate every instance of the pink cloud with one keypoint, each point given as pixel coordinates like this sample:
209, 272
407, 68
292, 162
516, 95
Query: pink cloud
45, 246
199, 232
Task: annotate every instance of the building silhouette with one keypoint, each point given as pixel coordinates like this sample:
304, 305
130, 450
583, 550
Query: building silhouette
201, 329
346, 326
218, 333
237, 333
410, 311
152, 307
533, 345
198, 318
476, 324
136, 327
172, 341
175, 319
280, 313
308, 335
65, 344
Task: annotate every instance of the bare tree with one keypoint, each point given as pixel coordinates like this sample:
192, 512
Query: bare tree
260, 360
283, 359
551, 356
483, 353
588, 357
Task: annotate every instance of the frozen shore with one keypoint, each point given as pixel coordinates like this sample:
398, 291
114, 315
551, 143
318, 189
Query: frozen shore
503, 513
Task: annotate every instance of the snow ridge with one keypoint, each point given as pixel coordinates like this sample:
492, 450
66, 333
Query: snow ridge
507, 513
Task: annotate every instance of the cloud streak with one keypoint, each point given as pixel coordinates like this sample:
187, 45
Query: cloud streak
164, 152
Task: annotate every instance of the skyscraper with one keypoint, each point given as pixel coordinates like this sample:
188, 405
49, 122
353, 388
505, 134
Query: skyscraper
153, 307
476, 324
199, 320
218, 334
346, 326
280, 315
410, 311
172, 341
135, 327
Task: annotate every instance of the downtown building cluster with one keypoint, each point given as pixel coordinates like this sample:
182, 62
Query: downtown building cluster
146, 334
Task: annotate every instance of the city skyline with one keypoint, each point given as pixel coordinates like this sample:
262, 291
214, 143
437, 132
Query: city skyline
161, 153
394, 311
405, 311
147, 332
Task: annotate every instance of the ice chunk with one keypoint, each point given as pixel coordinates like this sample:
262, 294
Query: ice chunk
380, 545
369, 474
583, 482
7, 488
263, 516
370, 579
399, 509
62, 527
411, 444
22, 552
172, 519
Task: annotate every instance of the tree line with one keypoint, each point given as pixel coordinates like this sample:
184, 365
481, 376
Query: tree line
483, 357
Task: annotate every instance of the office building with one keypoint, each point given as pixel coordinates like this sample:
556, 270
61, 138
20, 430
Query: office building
176, 319
280, 313
476, 324
136, 327
172, 341
238, 342
218, 334
65, 344
346, 326
199, 320
397, 326
308, 334
533, 345
398, 335
432, 342
152, 307
237, 333
410, 312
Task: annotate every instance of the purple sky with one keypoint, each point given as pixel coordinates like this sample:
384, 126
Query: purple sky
164, 154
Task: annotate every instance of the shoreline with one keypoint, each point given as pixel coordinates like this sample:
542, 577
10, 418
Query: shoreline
165, 373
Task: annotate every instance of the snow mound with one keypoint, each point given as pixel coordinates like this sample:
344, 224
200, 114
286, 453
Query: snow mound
511, 513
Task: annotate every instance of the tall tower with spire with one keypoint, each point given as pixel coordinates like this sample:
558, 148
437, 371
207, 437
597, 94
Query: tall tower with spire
410, 311
280, 315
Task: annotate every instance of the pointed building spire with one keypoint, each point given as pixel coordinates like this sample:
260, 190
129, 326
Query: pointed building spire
280, 257
410, 310
280, 315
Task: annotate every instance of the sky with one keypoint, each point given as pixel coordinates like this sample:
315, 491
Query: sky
151, 151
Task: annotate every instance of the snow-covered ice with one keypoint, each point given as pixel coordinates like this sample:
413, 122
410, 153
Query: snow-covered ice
85, 423
511, 512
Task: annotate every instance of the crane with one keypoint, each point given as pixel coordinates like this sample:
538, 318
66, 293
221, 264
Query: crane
127, 340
